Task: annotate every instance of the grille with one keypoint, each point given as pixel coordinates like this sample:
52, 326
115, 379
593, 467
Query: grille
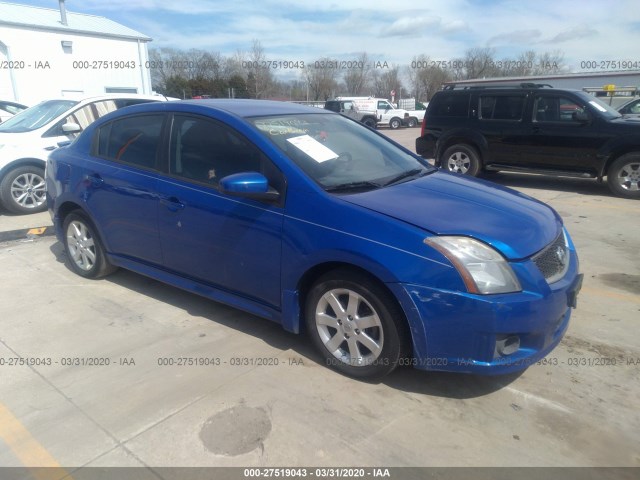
553, 261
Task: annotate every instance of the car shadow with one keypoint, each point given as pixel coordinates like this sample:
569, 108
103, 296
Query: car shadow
582, 186
407, 379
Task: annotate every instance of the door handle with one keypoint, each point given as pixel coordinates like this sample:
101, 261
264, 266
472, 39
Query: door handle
536, 129
172, 203
94, 179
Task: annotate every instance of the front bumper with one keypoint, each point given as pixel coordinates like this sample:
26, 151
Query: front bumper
462, 332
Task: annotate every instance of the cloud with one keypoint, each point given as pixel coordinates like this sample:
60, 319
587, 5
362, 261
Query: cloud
525, 37
575, 33
412, 26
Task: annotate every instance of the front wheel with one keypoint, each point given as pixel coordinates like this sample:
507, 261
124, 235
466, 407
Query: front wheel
355, 324
83, 247
623, 176
23, 190
461, 159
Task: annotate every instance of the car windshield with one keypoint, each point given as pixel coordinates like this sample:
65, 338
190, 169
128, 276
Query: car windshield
339, 154
36, 116
600, 106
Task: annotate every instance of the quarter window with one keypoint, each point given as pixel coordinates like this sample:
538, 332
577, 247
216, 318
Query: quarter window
451, 106
132, 140
501, 107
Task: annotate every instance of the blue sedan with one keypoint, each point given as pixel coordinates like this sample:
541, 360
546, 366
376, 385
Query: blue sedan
311, 220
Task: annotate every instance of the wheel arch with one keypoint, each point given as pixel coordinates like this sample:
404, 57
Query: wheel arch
471, 139
614, 155
22, 162
68, 207
308, 279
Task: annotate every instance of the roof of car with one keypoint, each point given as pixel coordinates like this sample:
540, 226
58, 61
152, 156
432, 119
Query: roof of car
235, 107
255, 108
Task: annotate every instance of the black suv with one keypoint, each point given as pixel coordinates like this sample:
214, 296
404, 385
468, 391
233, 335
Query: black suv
532, 128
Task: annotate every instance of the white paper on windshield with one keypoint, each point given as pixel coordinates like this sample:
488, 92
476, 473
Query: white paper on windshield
313, 148
598, 106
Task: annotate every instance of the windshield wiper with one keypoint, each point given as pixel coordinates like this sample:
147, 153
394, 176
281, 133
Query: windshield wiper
363, 185
409, 173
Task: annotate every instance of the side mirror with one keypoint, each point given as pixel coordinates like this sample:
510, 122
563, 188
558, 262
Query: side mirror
71, 128
581, 116
248, 185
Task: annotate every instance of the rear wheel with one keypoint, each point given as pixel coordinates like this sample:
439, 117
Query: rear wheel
355, 324
370, 122
23, 190
412, 122
395, 123
84, 250
462, 159
623, 176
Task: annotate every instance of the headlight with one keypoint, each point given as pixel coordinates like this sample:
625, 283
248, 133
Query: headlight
482, 268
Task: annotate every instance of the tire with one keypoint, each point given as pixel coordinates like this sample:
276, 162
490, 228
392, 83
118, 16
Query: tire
623, 176
22, 190
412, 122
355, 324
461, 159
84, 249
395, 123
370, 122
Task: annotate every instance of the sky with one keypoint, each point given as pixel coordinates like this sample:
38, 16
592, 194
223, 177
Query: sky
392, 31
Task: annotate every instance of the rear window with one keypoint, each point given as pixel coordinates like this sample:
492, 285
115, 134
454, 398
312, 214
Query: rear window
450, 105
501, 107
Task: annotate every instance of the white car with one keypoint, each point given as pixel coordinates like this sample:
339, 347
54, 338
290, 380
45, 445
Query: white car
9, 109
27, 138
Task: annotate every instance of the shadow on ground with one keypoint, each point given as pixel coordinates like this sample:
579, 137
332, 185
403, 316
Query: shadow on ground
437, 384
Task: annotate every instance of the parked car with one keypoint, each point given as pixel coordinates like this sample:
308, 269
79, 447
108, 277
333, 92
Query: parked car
630, 108
9, 109
312, 220
531, 128
27, 139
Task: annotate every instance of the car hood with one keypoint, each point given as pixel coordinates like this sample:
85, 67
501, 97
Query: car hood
447, 204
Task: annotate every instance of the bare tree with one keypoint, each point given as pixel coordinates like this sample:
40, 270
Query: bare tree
259, 76
322, 76
388, 81
356, 78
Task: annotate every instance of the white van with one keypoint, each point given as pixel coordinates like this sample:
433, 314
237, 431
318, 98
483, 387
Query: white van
27, 138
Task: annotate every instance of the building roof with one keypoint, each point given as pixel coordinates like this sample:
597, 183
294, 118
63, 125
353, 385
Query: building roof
49, 19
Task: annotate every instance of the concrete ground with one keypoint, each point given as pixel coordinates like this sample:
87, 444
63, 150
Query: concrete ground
263, 398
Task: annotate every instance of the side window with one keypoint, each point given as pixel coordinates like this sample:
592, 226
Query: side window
452, 106
501, 107
555, 109
206, 151
382, 105
133, 140
83, 117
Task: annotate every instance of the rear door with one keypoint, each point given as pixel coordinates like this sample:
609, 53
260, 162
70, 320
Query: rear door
120, 186
500, 118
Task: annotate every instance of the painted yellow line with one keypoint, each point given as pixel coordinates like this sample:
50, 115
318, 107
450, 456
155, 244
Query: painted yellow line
605, 293
30, 453
36, 231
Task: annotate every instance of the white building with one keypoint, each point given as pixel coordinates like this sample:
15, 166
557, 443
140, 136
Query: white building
51, 53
